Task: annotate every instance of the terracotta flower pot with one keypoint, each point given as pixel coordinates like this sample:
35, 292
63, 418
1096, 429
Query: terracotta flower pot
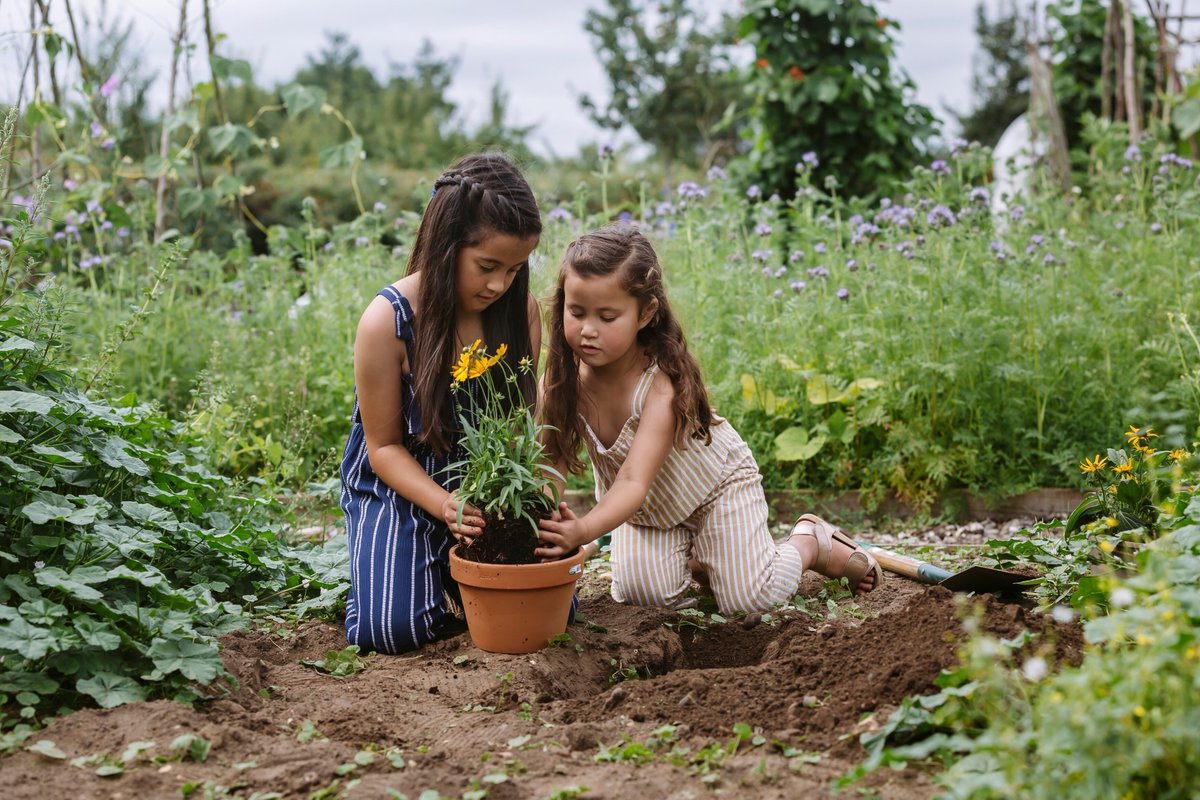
516, 608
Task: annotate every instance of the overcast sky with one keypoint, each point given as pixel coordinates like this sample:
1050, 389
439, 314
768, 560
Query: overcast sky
537, 48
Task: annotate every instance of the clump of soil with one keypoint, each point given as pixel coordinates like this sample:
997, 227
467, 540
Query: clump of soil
503, 541
449, 716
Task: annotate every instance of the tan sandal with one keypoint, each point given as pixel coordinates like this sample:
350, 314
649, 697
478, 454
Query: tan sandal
858, 565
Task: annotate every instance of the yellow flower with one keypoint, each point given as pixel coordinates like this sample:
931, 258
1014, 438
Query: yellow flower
474, 362
1123, 469
1178, 454
1137, 435
1093, 464
1107, 546
1110, 522
1112, 490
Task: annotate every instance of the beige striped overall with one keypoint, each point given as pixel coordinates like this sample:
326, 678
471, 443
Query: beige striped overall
709, 497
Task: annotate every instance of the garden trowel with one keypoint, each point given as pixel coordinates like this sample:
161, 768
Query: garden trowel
983, 580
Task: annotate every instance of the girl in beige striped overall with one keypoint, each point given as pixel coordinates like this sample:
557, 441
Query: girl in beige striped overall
673, 480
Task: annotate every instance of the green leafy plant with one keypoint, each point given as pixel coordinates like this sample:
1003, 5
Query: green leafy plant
338, 663
504, 473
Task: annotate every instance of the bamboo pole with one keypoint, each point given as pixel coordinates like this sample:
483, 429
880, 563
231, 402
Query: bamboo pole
35, 143
212, 46
1132, 105
1119, 63
1106, 57
164, 142
44, 6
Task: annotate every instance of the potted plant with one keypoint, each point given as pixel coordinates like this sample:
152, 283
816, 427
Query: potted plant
513, 602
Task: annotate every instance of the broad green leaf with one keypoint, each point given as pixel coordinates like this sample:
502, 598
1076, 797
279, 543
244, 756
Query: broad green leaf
155, 166
342, 155
17, 343
11, 402
115, 455
197, 747
97, 633
47, 748
58, 455
819, 391
29, 641
110, 690
150, 515
1186, 118
299, 98
237, 140
230, 67
77, 583
50, 506
195, 661
794, 444
227, 185
16, 681
9, 436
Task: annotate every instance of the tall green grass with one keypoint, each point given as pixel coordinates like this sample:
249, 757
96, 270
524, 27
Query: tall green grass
947, 345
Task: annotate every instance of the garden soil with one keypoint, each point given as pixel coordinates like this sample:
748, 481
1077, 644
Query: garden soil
460, 720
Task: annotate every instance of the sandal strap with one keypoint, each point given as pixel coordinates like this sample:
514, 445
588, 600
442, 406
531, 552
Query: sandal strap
822, 533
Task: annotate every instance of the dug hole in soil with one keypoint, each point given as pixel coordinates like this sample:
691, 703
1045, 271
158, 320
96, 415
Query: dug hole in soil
456, 719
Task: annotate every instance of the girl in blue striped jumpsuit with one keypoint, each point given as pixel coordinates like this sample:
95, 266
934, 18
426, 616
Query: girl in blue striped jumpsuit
467, 279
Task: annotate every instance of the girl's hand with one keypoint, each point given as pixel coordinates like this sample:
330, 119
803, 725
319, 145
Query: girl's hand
560, 534
472, 518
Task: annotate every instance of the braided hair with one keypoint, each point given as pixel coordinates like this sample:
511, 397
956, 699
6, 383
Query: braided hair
478, 196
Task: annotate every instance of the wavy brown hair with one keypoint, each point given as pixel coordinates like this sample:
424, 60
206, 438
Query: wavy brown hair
480, 195
622, 251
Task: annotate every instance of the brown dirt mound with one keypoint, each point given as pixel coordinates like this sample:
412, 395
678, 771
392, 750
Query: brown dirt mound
535, 723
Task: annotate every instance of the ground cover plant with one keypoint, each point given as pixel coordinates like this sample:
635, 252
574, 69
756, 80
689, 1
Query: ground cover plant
126, 553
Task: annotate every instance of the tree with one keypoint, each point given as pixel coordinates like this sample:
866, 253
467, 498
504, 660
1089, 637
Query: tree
672, 78
825, 84
999, 75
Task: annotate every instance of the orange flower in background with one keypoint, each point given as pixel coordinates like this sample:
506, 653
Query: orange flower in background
881, 22
796, 73
762, 63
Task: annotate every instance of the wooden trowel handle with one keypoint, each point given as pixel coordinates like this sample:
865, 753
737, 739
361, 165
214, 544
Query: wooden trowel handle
590, 549
907, 566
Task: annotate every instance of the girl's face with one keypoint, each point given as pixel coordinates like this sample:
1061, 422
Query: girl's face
600, 319
487, 269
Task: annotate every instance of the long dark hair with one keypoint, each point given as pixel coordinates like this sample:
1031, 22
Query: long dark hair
626, 252
480, 195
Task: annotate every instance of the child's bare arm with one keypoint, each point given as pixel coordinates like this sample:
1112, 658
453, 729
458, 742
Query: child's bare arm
380, 359
651, 446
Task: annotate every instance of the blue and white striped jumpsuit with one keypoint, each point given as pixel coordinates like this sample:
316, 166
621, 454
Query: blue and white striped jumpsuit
399, 555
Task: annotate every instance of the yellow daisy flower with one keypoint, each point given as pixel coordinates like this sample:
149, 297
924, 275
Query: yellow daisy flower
1123, 469
1178, 454
1093, 464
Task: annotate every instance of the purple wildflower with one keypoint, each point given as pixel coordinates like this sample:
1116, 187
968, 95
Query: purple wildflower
1016, 213
715, 173
843, 293
93, 206
69, 185
939, 216
1049, 259
819, 248
797, 285
5, 244
361, 241
818, 272
957, 145
691, 189
664, 209
59, 236
97, 130
1037, 239
559, 214
761, 255
122, 231
754, 191
1133, 153
106, 225
1155, 228
109, 143
779, 273
852, 265
109, 86
940, 167
606, 150
762, 229
980, 195
328, 246
777, 293
380, 206
795, 256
